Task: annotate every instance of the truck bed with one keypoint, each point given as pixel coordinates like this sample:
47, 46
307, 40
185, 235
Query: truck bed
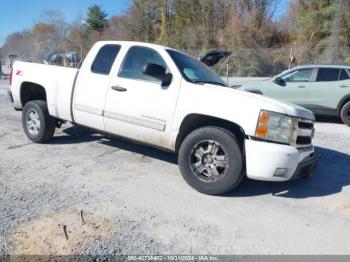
57, 80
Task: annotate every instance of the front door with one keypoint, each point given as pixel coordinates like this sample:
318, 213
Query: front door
137, 105
295, 88
92, 85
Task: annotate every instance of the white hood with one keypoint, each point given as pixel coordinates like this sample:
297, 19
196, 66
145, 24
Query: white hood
289, 108
271, 104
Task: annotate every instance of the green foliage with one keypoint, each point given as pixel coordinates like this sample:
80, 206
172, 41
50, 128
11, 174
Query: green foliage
323, 25
142, 22
96, 19
315, 18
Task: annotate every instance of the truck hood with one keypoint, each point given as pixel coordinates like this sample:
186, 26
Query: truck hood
268, 103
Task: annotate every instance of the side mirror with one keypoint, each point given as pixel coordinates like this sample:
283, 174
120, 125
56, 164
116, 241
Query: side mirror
158, 72
279, 81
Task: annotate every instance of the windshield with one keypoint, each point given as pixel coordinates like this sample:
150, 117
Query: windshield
193, 70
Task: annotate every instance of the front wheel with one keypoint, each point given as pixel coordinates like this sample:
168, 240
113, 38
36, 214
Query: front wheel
38, 125
345, 114
211, 161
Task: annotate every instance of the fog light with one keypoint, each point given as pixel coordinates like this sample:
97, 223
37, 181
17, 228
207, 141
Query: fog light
281, 172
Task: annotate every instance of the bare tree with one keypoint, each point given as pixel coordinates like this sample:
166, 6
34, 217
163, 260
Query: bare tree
77, 38
20, 44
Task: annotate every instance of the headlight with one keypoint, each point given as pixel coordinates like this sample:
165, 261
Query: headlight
275, 127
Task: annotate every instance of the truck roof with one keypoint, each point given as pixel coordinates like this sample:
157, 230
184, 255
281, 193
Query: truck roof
129, 43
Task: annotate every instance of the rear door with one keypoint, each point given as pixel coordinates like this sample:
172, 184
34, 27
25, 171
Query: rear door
296, 87
330, 86
137, 105
92, 85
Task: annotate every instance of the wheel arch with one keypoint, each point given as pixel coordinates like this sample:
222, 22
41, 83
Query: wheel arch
342, 102
194, 121
30, 91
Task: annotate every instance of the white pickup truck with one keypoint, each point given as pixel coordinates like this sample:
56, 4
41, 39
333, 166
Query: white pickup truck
162, 97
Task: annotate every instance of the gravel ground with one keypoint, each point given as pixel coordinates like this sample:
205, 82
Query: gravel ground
114, 197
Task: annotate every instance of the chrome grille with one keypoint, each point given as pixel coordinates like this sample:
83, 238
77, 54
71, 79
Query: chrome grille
304, 132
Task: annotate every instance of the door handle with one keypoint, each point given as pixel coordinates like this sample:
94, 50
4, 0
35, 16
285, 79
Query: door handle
301, 86
344, 86
119, 88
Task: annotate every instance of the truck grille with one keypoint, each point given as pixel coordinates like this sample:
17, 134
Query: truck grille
304, 133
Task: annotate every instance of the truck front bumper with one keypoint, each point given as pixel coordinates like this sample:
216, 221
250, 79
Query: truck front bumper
275, 162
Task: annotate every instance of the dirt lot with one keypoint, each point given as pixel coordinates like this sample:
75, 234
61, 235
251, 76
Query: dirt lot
114, 197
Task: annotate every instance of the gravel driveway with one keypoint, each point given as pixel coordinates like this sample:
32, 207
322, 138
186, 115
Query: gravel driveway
89, 193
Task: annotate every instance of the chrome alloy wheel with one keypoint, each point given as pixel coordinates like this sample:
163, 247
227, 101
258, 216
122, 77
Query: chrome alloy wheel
209, 160
33, 122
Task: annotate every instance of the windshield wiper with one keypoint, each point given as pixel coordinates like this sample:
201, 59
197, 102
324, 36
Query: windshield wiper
216, 83
208, 82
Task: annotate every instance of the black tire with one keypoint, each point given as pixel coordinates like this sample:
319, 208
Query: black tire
45, 127
345, 113
230, 176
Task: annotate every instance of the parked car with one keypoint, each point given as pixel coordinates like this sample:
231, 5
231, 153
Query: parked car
69, 59
162, 97
324, 89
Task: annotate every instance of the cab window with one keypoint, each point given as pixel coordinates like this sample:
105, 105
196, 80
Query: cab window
134, 61
104, 59
302, 75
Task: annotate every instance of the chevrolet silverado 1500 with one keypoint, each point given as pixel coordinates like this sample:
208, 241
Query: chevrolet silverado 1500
162, 97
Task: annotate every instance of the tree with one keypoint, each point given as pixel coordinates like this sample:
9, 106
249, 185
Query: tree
77, 38
20, 44
142, 20
116, 29
322, 27
164, 22
96, 19
251, 23
319, 31
45, 36
46, 40
192, 25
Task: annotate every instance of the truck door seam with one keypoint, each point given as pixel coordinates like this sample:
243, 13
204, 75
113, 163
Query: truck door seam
135, 121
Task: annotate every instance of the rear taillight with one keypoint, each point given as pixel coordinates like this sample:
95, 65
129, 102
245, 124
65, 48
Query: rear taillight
11, 77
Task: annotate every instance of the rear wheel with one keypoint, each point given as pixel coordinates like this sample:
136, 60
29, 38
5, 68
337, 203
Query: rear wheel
38, 125
211, 161
345, 114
